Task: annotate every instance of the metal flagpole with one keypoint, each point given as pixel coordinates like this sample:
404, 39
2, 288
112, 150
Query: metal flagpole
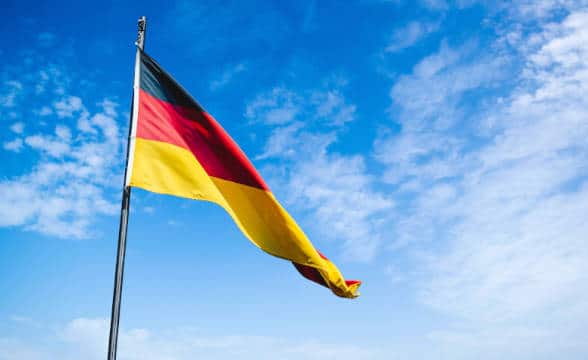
124, 211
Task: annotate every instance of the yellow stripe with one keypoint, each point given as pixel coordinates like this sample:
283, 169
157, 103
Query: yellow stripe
168, 169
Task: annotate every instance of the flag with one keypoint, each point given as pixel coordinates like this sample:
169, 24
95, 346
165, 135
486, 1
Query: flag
177, 148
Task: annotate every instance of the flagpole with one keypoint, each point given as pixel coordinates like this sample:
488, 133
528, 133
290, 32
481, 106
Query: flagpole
124, 211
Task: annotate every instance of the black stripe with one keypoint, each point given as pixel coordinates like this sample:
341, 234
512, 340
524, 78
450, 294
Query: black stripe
158, 83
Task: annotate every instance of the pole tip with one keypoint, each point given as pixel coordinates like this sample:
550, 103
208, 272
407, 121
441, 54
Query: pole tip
141, 25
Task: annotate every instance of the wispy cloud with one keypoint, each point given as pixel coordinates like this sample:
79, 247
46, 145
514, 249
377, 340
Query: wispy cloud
11, 89
279, 106
334, 190
444, 5
17, 127
282, 106
64, 191
435, 4
499, 201
539, 10
68, 106
75, 154
411, 34
13, 145
227, 76
86, 338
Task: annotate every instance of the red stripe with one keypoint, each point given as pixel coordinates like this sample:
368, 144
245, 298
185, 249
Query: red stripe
310, 273
352, 282
198, 132
313, 274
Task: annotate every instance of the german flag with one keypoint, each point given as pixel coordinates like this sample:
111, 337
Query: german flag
177, 148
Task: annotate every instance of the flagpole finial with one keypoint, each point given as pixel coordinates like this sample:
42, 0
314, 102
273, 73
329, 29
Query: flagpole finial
141, 27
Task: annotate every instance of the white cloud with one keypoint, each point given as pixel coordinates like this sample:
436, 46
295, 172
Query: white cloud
435, 4
25, 320
521, 187
227, 76
63, 133
67, 106
410, 34
86, 338
13, 89
340, 194
331, 106
282, 141
444, 5
428, 146
15, 349
64, 184
109, 107
66, 189
44, 111
282, 106
533, 10
446, 76
278, 107
334, 190
15, 145
517, 342
500, 194
17, 127
48, 145
49, 77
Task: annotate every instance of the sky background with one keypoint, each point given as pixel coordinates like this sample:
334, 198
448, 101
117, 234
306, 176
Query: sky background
434, 149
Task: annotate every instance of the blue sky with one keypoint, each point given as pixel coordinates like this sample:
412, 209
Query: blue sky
434, 149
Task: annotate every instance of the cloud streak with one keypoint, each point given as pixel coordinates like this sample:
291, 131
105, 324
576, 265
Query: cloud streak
335, 191
410, 35
498, 205
227, 76
65, 190
86, 338
73, 153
